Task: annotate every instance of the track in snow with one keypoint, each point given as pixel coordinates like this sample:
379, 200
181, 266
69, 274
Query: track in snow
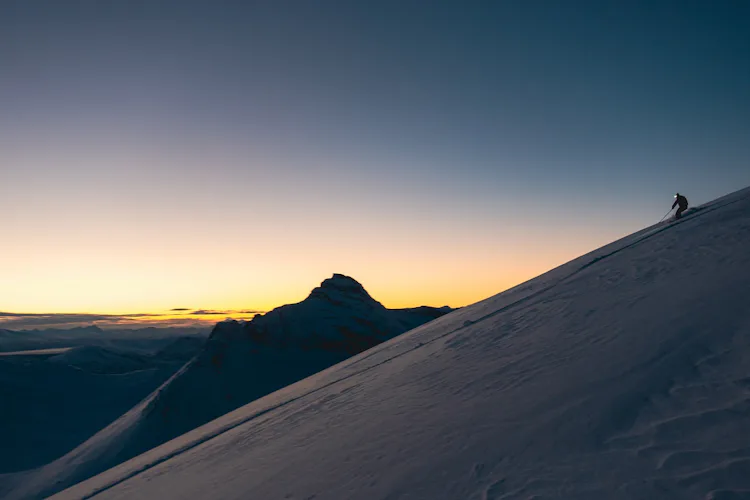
622, 374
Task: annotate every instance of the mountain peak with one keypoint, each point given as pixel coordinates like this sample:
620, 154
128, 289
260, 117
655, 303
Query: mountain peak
588, 381
341, 284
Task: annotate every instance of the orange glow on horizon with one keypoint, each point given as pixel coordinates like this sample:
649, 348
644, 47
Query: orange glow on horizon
96, 255
146, 297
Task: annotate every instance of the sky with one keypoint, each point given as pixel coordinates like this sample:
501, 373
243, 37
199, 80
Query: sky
232, 155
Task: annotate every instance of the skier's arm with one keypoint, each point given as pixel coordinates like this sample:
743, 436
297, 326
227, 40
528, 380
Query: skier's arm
674, 204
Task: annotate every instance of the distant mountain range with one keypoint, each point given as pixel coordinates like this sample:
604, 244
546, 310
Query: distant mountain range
145, 339
240, 362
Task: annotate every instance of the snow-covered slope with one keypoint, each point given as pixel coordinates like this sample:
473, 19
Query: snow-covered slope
241, 361
110, 360
97, 359
47, 408
145, 340
622, 374
52, 400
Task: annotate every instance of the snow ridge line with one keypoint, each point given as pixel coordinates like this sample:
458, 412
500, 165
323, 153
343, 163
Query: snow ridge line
235, 424
466, 324
701, 210
260, 413
575, 272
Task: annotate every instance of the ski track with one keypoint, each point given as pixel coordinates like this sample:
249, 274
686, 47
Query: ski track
705, 400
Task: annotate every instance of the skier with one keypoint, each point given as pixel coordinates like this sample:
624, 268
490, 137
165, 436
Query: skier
683, 204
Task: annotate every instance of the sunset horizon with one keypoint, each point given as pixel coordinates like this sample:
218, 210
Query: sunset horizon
403, 294
233, 157
196, 317
393, 249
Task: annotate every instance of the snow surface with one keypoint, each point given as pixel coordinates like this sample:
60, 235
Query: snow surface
37, 352
52, 400
97, 359
622, 374
146, 340
241, 362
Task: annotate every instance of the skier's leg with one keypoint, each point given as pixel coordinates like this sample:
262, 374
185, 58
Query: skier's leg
679, 213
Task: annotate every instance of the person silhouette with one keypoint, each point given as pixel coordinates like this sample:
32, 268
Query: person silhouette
682, 202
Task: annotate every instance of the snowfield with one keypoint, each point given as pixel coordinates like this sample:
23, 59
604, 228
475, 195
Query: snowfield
622, 374
52, 400
240, 362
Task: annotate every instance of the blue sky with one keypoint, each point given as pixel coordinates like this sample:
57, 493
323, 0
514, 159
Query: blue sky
278, 142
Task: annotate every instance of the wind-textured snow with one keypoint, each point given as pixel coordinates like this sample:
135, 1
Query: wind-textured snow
622, 374
240, 362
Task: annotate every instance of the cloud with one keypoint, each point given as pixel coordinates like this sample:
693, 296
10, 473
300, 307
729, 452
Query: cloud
208, 312
40, 320
28, 321
181, 309
25, 321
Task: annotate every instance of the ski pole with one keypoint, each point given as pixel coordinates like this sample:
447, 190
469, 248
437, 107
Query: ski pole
665, 215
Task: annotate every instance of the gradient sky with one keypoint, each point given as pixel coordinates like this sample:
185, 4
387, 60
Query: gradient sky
232, 155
